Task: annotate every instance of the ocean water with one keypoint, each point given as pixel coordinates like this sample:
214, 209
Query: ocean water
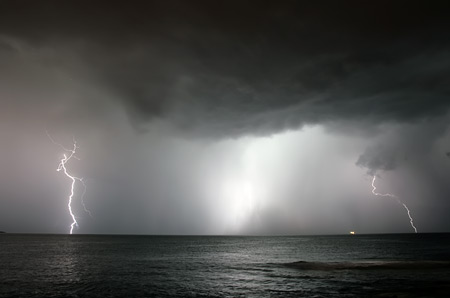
397, 265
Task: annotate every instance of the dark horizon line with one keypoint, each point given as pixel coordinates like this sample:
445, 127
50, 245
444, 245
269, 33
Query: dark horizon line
226, 235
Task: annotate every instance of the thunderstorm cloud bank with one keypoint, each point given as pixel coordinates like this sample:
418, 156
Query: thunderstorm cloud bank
216, 117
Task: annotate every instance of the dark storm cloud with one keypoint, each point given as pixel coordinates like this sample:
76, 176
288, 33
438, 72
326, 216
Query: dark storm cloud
402, 145
231, 68
377, 158
373, 76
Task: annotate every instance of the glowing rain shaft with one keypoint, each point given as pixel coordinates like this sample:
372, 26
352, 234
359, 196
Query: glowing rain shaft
396, 198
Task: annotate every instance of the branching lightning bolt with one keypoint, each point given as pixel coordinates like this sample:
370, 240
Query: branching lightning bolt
82, 197
396, 198
62, 167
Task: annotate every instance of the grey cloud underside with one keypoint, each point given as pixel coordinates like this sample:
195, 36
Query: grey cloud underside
233, 69
404, 144
373, 75
375, 159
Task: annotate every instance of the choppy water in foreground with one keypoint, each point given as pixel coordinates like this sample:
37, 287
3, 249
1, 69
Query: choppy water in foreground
400, 265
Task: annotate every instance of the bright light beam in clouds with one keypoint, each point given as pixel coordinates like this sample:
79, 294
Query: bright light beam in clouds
74, 179
396, 198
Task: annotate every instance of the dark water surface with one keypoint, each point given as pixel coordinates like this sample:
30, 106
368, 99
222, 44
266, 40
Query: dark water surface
400, 265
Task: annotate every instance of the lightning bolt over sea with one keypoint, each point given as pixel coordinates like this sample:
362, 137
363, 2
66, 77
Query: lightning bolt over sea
62, 167
411, 221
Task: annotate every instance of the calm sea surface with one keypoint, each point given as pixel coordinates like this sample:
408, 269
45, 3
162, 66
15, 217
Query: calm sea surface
400, 265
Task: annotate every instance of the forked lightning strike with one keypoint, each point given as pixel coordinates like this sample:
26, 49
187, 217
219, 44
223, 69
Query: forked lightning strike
74, 179
396, 198
82, 197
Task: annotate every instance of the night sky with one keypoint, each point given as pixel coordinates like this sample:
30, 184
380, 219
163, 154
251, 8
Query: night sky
225, 117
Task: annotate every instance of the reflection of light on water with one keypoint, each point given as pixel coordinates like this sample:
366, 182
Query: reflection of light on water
66, 264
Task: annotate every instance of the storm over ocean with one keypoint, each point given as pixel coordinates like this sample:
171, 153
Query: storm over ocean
224, 148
